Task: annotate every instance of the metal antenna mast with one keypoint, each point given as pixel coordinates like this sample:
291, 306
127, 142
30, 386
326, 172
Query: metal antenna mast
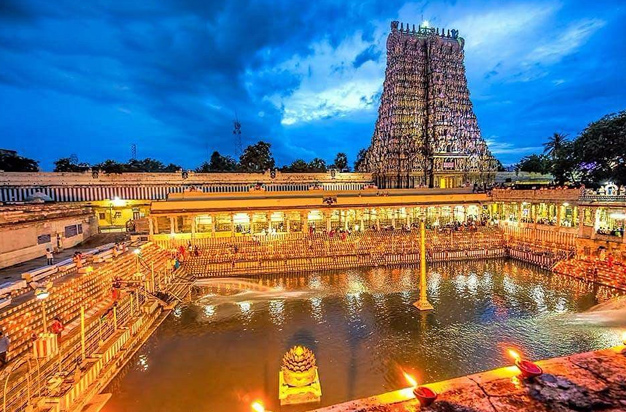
133, 151
237, 134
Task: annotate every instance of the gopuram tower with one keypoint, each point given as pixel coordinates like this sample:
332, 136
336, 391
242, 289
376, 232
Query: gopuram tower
426, 133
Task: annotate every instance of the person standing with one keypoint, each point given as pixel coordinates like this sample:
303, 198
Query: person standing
49, 256
57, 327
4, 348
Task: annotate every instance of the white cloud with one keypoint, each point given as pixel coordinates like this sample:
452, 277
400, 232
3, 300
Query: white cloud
566, 42
330, 85
513, 42
497, 147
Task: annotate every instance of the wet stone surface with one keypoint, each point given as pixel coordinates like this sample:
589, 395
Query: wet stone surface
594, 381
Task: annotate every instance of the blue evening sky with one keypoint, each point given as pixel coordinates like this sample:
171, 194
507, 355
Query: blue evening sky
93, 77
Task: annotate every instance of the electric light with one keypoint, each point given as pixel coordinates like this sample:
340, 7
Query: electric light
566, 204
41, 293
136, 251
117, 202
425, 23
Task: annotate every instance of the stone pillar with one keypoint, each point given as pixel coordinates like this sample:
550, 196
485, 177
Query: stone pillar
213, 225
558, 215
193, 226
268, 218
581, 221
304, 220
409, 217
152, 224
172, 225
328, 216
345, 222
361, 221
393, 217
232, 224
378, 211
287, 222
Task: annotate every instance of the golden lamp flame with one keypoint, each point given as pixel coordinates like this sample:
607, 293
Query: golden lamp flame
516, 356
257, 407
410, 379
624, 337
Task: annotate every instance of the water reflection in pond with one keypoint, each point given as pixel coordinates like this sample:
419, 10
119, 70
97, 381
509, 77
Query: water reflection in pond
223, 350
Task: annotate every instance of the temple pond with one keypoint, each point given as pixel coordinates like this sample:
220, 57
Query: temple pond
223, 350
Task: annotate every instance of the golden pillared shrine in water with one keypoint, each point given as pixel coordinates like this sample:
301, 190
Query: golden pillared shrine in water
427, 133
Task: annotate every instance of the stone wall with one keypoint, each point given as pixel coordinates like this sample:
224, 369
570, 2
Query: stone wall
593, 381
89, 179
25, 234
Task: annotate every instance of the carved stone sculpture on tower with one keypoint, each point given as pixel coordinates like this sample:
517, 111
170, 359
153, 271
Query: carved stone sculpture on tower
426, 133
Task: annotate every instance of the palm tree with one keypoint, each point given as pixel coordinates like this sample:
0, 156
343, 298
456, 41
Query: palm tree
554, 144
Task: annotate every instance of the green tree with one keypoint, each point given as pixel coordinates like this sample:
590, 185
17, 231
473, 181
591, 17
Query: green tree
111, 166
297, 166
257, 158
171, 168
218, 163
535, 164
559, 151
12, 162
146, 165
554, 144
359, 163
500, 166
341, 162
317, 165
66, 164
601, 150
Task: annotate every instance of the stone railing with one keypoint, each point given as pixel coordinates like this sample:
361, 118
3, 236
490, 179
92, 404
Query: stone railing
541, 195
596, 198
93, 178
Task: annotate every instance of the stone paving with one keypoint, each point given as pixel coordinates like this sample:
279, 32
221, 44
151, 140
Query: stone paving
593, 381
14, 272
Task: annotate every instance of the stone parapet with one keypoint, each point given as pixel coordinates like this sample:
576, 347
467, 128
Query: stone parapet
586, 381
90, 178
538, 195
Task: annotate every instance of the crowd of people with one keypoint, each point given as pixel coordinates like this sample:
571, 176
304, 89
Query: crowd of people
217, 255
615, 231
602, 269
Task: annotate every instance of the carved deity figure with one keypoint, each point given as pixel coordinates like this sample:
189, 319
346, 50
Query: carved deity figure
425, 111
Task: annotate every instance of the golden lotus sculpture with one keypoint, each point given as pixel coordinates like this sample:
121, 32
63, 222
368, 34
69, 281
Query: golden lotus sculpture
299, 378
299, 367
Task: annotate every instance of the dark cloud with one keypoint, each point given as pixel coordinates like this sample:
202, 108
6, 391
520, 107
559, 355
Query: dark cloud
94, 77
371, 53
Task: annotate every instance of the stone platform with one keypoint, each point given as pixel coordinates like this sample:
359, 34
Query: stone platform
593, 381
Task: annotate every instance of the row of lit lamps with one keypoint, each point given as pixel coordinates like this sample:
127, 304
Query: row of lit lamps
426, 396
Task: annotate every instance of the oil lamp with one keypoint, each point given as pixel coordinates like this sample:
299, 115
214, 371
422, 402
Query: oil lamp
257, 406
528, 368
425, 395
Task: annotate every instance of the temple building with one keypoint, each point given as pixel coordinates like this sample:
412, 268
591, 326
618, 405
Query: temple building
427, 133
